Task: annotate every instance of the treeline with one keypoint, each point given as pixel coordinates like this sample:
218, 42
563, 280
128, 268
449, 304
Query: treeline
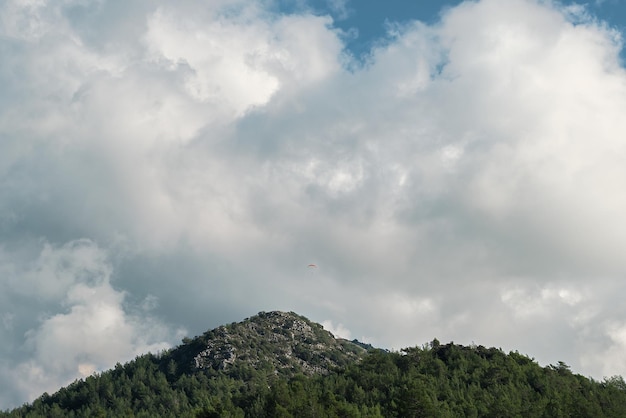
431, 381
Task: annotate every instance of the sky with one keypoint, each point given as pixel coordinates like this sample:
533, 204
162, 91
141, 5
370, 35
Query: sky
454, 169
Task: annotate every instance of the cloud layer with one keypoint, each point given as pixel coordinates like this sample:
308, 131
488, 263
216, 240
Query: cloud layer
171, 166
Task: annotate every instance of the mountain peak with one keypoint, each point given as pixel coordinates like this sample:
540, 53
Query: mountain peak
278, 342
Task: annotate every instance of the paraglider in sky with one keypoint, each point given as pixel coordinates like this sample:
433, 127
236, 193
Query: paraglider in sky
312, 266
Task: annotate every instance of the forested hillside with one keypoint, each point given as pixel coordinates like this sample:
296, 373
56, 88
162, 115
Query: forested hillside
282, 365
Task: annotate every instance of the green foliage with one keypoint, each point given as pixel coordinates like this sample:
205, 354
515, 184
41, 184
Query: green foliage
436, 380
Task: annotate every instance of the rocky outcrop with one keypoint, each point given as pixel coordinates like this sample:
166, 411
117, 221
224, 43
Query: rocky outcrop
280, 342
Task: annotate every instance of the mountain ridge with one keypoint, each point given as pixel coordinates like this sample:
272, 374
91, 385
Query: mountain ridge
280, 364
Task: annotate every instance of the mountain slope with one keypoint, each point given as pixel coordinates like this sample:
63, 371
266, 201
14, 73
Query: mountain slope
278, 364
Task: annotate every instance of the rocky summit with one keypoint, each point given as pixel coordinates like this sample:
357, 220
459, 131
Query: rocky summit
280, 342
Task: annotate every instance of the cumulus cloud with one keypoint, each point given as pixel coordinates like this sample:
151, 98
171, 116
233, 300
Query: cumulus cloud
463, 181
93, 329
339, 330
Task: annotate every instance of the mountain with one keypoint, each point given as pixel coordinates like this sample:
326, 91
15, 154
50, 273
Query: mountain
277, 342
278, 364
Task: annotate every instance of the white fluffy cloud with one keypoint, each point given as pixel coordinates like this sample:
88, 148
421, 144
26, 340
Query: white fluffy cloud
465, 183
91, 331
